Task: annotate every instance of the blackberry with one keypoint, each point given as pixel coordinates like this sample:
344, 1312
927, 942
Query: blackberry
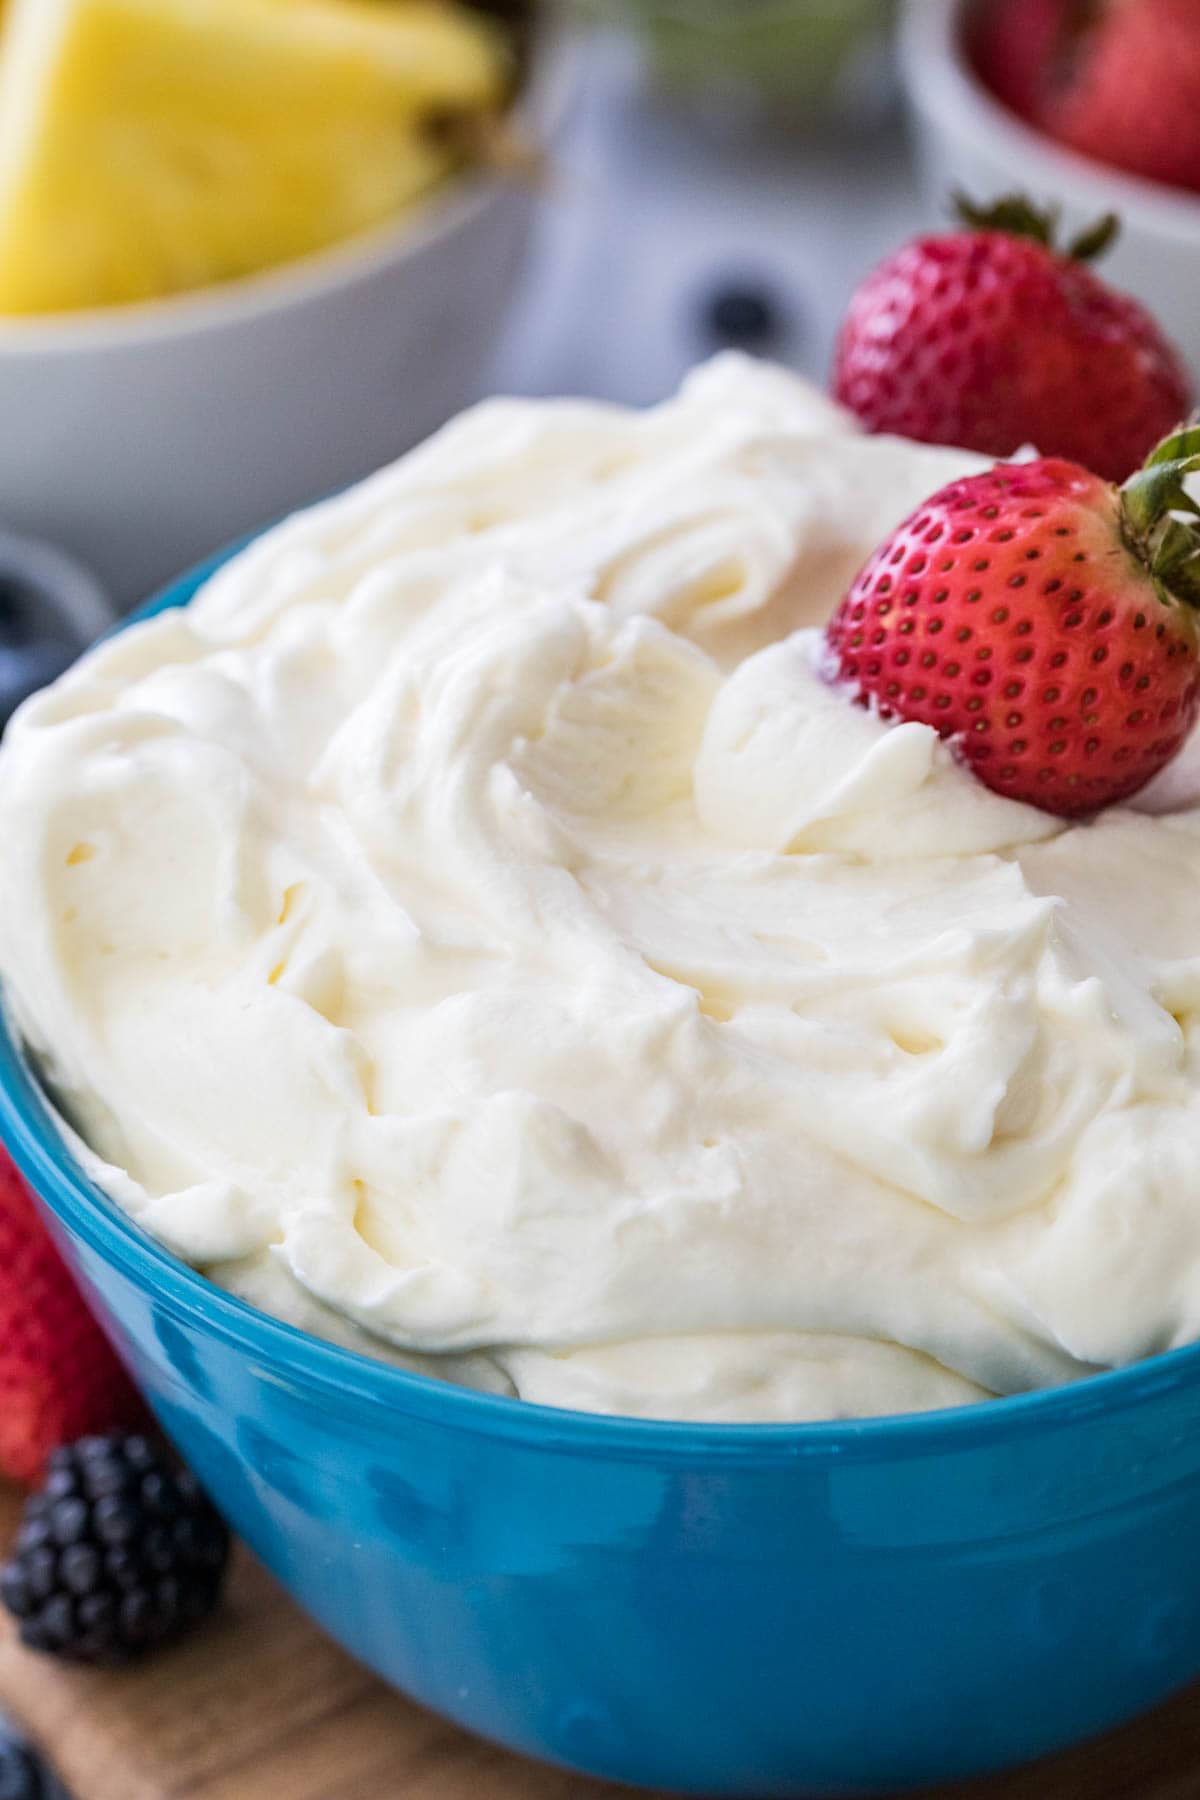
119, 1552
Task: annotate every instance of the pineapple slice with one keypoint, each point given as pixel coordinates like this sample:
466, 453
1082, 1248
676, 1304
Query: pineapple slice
152, 146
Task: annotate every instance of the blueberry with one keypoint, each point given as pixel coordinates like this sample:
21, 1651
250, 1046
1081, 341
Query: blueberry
746, 315
36, 644
19, 1777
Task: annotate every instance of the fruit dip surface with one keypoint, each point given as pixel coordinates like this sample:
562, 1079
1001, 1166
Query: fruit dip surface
474, 931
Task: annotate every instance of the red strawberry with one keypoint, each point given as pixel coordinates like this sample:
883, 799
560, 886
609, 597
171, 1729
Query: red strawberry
1130, 92
59, 1377
1013, 45
990, 339
1043, 621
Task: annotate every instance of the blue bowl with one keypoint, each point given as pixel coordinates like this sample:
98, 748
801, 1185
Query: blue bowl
756, 1610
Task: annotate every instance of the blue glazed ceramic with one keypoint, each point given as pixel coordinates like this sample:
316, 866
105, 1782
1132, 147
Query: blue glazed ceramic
725, 1610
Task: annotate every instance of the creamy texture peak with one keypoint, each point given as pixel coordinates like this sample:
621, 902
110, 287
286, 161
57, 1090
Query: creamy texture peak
474, 931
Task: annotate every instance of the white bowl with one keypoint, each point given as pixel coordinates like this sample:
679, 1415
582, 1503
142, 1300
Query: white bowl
144, 436
966, 139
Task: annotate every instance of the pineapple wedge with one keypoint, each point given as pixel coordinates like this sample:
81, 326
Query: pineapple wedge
153, 146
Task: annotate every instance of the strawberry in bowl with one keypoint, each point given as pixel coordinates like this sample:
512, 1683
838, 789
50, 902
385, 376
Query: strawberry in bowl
1115, 80
977, 74
1042, 620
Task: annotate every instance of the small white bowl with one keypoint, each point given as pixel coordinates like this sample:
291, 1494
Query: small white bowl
142, 437
966, 139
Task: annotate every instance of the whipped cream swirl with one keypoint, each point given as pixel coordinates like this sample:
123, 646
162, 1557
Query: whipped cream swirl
473, 931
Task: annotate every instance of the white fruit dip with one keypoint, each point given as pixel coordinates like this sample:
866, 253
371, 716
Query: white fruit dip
474, 932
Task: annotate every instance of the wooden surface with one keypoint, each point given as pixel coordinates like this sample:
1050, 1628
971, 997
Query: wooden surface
260, 1706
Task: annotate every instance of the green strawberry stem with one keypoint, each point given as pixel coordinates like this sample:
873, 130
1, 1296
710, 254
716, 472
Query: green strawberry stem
1095, 239
1160, 521
1019, 217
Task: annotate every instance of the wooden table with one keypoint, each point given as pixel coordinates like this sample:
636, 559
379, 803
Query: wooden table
260, 1706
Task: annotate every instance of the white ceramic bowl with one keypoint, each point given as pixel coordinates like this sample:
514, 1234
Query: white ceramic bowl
967, 139
142, 437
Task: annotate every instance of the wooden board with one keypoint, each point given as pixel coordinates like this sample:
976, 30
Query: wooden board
260, 1706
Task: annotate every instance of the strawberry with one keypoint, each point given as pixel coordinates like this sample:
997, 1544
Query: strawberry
1013, 45
59, 1377
1043, 621
991, 339
1124, 86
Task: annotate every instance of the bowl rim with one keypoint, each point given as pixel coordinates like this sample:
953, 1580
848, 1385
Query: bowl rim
944, 87
32, 1132
542, 104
